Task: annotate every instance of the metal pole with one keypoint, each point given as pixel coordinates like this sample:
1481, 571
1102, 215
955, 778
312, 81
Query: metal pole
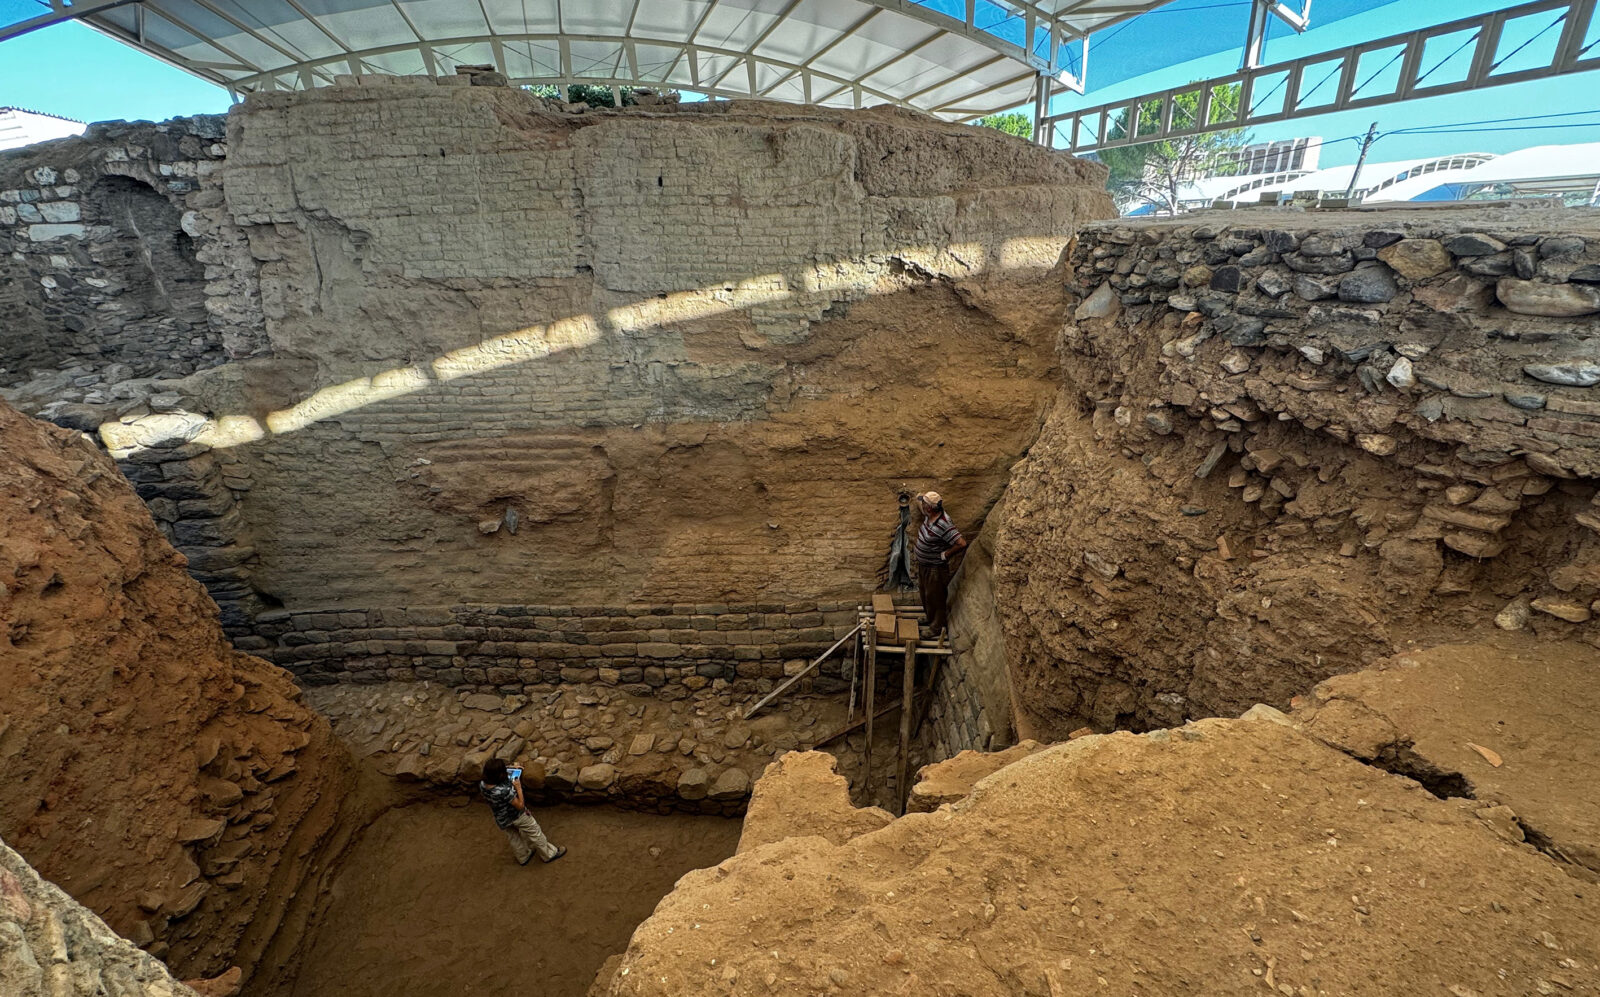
855, 664
1041, 107
1366, 143
769, 697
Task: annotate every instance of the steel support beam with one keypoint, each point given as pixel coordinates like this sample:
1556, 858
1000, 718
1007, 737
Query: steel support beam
1260, 84
694, 53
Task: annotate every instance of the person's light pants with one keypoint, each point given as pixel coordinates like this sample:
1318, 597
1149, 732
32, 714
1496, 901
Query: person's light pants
526, 838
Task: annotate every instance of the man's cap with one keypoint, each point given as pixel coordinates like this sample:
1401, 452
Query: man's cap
932, 498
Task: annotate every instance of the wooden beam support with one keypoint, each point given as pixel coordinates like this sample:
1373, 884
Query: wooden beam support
855, 725
871, 680
908, 691
774, 694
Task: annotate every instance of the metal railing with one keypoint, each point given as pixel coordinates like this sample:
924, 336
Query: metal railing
1428, 67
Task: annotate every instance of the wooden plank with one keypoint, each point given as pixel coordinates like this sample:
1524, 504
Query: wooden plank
855, 725
882, 602
871, 679
908, 689
774, 694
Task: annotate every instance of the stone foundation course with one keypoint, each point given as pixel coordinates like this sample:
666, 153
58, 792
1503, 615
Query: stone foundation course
666, 652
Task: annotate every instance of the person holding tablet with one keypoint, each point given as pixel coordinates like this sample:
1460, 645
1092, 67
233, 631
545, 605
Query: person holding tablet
503, 789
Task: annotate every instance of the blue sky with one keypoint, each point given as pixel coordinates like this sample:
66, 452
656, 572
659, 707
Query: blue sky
75, 72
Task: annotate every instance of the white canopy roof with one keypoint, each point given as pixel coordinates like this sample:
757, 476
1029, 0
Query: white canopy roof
954, 58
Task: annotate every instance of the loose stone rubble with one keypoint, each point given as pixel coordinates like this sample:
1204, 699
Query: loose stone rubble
1330, 432
51, 946
583, 743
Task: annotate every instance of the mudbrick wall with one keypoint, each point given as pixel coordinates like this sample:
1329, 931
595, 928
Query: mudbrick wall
486, 350
1291, 443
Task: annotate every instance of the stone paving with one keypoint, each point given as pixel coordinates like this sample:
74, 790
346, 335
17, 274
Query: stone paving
585, 743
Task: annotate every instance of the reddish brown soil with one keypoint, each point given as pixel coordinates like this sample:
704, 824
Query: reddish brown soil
173, 785
431, 902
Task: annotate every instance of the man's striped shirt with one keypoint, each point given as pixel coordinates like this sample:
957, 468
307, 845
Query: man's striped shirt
936, 535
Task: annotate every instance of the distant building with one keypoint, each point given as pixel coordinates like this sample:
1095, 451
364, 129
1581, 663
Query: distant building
1571, 172
19, 127
1284, 156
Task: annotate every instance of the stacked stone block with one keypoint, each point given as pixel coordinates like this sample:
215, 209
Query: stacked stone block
97, 260
664, 651
1465, 330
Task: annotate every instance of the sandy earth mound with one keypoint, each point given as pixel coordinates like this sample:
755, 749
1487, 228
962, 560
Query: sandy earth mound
1514, 725
174, 786
801, 794
950, 780
1227, 856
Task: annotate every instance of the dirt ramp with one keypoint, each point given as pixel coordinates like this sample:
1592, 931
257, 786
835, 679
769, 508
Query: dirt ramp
1220, 858
176, 787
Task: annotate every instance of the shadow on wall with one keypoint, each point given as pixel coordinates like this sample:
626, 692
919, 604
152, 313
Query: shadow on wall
735, 441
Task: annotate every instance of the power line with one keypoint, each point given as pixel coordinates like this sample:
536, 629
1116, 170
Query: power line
1525, 128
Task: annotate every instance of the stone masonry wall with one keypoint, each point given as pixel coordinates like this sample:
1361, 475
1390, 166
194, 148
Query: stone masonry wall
1289, 442
102, 292
662, 651
971, 708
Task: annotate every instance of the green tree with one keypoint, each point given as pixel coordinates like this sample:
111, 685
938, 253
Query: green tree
1012, 123
1155, 173
593, 94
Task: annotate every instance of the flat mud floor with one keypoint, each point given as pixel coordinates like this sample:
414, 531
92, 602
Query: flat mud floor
431, 901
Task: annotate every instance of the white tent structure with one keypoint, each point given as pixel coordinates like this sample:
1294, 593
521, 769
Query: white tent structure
1537, 171
955, 59
1542, 169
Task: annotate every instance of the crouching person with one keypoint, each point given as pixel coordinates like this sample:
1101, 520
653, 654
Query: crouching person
511, 814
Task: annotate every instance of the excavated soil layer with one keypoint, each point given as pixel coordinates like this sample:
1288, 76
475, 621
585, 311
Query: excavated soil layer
431, 902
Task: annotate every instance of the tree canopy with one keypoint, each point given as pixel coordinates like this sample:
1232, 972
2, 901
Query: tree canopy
1012, 123
593, 94
1154, 173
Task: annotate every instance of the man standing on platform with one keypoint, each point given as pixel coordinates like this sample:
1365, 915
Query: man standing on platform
937, 540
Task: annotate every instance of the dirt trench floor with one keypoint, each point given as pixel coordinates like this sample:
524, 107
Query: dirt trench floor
431, 902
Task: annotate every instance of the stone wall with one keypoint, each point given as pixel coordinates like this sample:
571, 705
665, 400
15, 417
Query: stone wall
666, 651
101, 285
971, 708
50, 945
1289, 443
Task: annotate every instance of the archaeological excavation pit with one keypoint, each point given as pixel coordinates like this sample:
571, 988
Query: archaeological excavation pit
398, 428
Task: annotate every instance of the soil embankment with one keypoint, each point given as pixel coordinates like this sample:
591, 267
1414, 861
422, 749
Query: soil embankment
173, 785
1291, 443
1218, 858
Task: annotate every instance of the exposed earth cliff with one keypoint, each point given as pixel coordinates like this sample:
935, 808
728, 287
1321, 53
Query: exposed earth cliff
173, 785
